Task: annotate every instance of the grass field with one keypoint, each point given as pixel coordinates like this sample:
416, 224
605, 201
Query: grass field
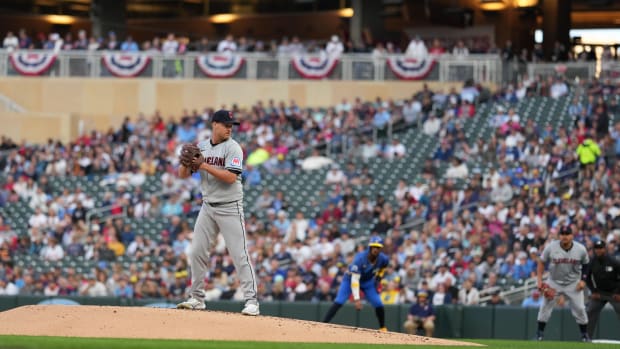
22, 342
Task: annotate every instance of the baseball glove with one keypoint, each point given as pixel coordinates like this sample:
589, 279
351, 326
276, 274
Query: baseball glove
191, 157
547, 291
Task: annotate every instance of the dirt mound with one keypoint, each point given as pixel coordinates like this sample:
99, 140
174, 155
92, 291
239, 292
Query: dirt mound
145, 322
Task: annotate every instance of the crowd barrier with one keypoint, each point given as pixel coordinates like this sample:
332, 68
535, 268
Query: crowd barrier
453, 321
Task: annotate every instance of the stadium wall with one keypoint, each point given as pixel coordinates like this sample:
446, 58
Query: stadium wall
503, 322
39, 127
103, 103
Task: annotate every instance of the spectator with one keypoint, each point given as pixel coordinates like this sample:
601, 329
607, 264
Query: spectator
7, 288
421, 315
11, 42
335, 176
496, 299
533, 301
417, 49
432, 125
334, 47
92, 287
129, 45
457, 169
228, 45
395, 150
460, 50
468, 295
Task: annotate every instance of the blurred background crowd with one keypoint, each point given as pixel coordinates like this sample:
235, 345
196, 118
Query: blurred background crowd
457, 231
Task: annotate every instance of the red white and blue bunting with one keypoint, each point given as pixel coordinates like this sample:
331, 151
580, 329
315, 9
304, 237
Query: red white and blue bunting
32, 63
219, 65
125, 65
314, 67
409, 68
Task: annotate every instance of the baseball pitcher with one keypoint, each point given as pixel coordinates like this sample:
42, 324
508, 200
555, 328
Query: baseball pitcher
219, 162
567, 260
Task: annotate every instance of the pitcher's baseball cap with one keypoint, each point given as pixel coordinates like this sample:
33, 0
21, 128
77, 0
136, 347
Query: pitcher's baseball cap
225, 117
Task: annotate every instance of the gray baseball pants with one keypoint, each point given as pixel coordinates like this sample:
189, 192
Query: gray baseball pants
577, 306
228, 220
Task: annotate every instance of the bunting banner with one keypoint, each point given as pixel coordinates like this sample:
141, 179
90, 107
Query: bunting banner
409, 68
125, 65
32, 63
219, 65
314, 67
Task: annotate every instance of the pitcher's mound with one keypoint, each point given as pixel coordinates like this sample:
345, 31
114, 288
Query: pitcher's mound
145, 322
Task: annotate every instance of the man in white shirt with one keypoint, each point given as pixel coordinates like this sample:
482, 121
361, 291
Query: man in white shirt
38, 219
395, 150
503, 192
228, 45
53, 251
170, 46
10, 42
411, 111
416, 48
558, 89
8, 288
457, 169
431, 125
93, 288
441, 276
334, 47
335, 176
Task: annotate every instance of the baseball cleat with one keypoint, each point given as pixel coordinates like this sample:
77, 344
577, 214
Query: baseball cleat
383, 329
192, 304
250, 309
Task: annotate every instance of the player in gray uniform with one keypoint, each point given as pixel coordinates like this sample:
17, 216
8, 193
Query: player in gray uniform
221, 212
567, 262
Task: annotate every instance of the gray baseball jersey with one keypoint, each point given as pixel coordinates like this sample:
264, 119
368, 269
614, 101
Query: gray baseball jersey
565, 266
221, 212
228, 155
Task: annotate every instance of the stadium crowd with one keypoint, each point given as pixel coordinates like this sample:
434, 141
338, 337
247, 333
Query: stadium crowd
474, 240
173, 43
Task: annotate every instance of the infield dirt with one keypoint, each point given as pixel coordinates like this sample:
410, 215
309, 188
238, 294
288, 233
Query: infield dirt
156, 323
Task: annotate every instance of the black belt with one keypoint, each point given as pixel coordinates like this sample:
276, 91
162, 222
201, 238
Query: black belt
218, 204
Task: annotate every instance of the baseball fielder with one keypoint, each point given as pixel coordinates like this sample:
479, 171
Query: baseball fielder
368, 266
219, 162
567, 260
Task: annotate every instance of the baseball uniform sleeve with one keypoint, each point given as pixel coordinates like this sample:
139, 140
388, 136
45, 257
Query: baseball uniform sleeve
585, 259
544, 256
234, 159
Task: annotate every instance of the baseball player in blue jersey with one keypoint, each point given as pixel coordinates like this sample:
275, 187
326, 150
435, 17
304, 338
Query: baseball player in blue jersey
219, 161
568, 262
367, 268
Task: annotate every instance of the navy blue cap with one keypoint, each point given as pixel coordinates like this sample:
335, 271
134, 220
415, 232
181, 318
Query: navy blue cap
225, 117
599, 244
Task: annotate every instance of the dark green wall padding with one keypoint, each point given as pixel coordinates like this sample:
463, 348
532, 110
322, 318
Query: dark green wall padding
504, 322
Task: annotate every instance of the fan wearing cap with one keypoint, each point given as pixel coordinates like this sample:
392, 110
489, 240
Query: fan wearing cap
221, 212
603, 279
568, 261
368, 267
421, 315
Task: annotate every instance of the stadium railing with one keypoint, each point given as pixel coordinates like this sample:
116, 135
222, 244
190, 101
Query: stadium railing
483, 68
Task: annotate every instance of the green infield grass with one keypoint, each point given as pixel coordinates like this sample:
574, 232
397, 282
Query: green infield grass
25, 342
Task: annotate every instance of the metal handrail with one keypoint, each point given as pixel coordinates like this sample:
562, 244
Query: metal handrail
514, 294
484, 68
